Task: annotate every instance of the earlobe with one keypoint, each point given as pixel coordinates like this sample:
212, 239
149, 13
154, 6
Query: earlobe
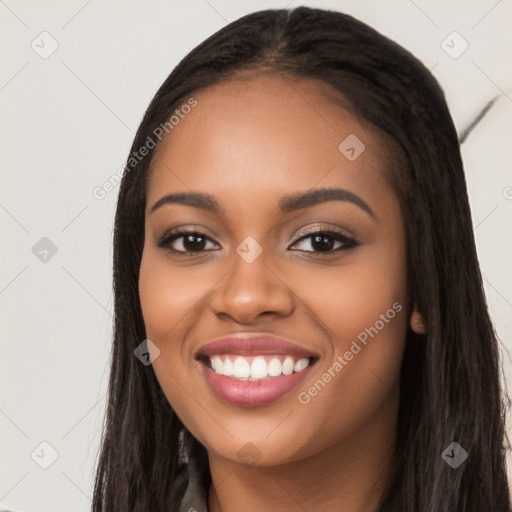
417, 322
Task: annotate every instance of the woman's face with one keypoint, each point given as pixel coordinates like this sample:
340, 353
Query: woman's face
260, 268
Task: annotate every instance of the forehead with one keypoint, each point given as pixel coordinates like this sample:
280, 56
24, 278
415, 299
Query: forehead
247, 138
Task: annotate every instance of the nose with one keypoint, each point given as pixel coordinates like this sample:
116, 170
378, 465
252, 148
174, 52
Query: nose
249, 290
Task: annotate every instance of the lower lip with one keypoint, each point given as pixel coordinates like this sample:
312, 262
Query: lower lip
253, 393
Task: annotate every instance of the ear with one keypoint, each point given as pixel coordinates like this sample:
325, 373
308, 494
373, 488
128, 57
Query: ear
417, 322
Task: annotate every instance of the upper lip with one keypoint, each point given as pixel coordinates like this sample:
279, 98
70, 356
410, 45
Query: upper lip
251, 345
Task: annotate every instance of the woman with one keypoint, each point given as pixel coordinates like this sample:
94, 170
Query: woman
300, 319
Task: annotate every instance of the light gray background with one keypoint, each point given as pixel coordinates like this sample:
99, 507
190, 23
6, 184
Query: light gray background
67, 123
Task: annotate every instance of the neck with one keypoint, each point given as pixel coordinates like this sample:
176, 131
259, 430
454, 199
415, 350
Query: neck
354, 474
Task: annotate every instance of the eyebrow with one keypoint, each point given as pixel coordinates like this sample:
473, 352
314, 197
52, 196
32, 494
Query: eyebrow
286, 204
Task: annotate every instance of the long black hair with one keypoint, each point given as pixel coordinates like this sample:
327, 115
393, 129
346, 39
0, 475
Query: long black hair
450, 377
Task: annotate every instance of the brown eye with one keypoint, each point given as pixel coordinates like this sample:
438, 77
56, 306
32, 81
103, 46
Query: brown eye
187, 241
324, 242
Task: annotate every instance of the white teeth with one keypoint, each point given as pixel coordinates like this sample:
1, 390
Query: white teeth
228, 367
239, 367
217, 364
288, 366
301, 364
258, 368
274, 367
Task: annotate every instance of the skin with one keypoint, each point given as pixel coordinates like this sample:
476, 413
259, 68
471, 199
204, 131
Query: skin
249, 143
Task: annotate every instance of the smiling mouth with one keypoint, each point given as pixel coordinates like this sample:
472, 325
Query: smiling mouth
256, 368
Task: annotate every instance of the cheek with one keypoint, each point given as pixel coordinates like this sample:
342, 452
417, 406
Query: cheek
350, 298
168, 297
364, 307
169, 301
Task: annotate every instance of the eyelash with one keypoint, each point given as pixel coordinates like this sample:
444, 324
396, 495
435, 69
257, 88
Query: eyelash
348, 241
